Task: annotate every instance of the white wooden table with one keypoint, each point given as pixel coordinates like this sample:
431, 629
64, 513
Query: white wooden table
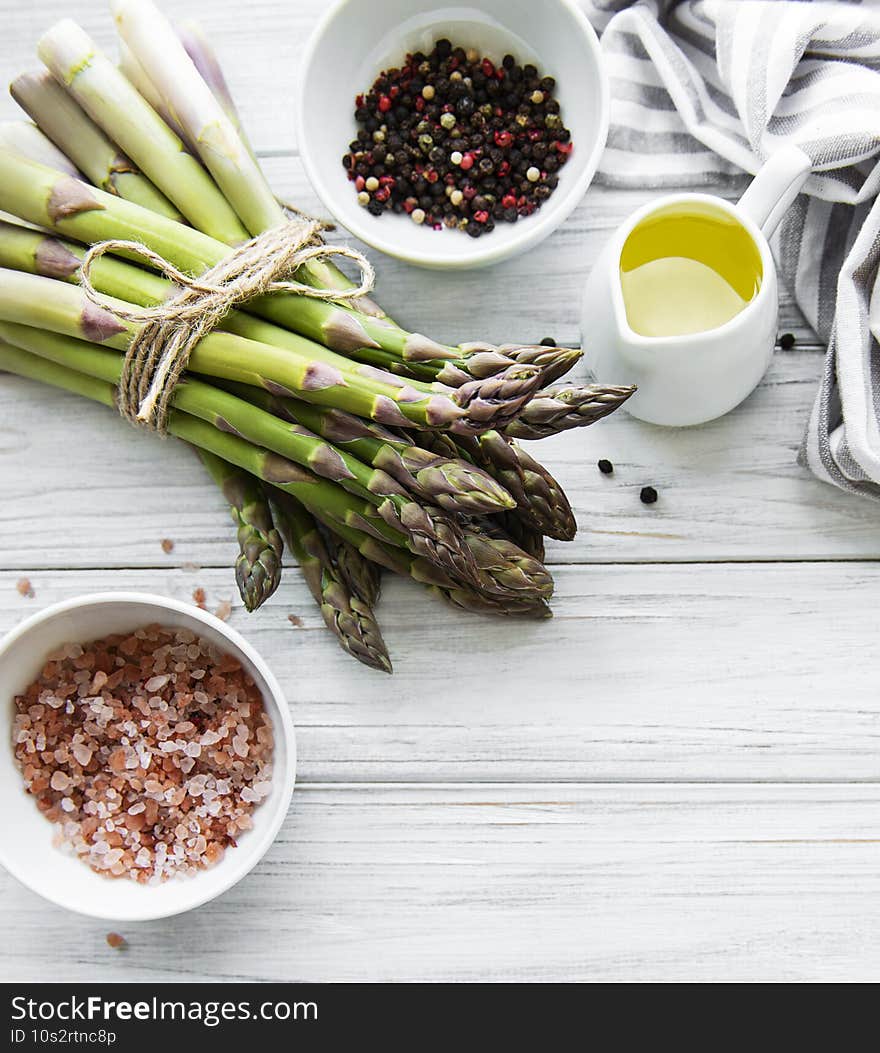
676, 777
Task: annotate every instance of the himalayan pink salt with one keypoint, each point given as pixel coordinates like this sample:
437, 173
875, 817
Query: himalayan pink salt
145, 777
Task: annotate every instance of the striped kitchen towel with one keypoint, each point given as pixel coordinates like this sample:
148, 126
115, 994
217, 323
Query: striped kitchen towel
703, 90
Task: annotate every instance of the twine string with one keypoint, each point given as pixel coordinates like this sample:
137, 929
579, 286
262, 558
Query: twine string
159, 351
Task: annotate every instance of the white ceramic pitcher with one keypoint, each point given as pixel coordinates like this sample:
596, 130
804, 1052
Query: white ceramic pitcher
692, 378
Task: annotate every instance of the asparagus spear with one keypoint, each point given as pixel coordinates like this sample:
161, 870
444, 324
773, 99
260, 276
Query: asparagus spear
258, 566
204, 58
450, 482
469, 598
363, 577
510, 526
62, 120
557, 409
26, 139
458, 367
50, 199
133, 71
130, 122
347, 611
540, 500
301, 369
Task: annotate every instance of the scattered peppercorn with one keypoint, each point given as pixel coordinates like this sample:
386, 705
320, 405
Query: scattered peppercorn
547, 341
787, 341
453, 140
605, 466
648, 495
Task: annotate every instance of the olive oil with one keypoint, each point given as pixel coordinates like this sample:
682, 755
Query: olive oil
687, 269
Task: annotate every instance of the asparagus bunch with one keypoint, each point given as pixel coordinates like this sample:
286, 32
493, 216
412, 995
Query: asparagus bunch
365, 445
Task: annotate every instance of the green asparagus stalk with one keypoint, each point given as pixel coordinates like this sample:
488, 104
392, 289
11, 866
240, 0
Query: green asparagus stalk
50, 199
258, 566
309, 372
129, 121
560, 408
428, 531
347, 611
26, 139
134, 72
62, 120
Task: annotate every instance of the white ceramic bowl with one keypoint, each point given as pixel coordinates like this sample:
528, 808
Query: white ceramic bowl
357, 39
26, 848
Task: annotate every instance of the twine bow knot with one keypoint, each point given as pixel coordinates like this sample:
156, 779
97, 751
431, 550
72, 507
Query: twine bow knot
159, 352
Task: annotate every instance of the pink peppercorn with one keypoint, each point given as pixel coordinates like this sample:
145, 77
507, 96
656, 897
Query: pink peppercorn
467, 162
384, 104
481, 216
359, 183
382, 194
488, 68
503, 139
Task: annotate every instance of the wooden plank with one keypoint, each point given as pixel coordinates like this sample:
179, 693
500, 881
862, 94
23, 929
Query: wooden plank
715, 672
513, 883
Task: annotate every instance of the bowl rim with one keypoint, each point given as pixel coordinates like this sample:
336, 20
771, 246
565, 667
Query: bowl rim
542, 224
253, 850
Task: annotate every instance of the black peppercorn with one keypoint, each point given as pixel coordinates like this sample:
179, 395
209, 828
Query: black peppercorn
787, 341
606, 467
648, 495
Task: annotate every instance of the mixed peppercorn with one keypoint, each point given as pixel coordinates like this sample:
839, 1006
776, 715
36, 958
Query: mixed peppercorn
453, 140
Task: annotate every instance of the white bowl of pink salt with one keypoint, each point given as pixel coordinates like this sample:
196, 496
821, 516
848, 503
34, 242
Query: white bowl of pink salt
149, 756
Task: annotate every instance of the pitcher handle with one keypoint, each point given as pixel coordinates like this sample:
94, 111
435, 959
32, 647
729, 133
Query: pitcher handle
774, 188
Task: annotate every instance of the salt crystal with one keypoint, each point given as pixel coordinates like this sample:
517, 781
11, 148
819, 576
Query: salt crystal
156, 683
60, 780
